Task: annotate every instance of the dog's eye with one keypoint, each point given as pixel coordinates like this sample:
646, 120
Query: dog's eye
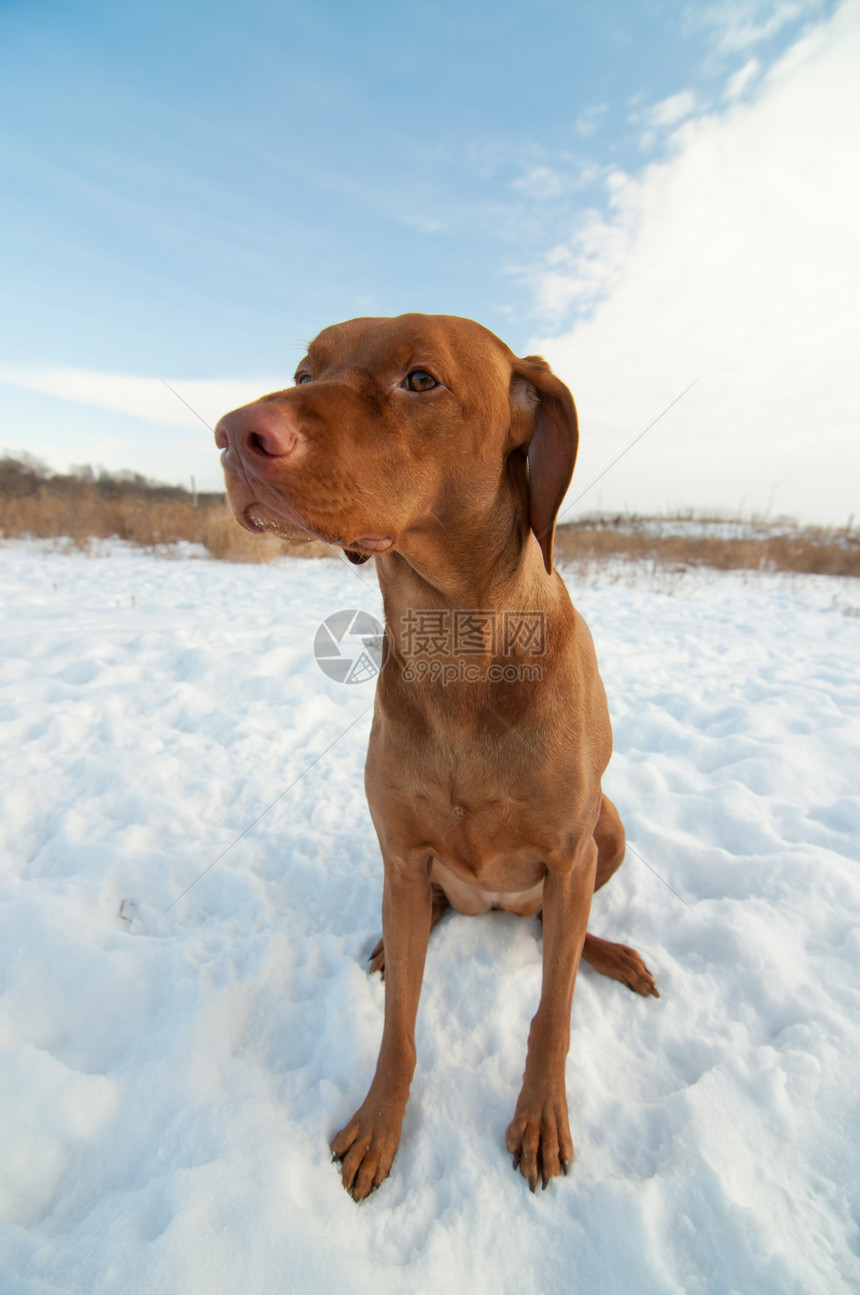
420, 380
302, 378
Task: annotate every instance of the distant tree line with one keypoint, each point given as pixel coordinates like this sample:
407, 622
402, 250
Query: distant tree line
24, 475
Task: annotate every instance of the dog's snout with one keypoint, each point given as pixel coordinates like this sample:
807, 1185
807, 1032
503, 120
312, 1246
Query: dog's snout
258, 431
270, 438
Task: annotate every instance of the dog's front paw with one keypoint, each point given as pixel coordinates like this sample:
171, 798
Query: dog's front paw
538, 1138
366, 1145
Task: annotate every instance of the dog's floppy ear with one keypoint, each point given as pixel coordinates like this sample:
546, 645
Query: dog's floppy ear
544, 420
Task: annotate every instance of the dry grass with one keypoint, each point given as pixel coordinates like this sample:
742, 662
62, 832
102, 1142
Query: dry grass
83, 506
224, 538
824, 552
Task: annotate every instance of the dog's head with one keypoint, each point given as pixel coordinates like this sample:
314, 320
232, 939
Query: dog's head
403, 426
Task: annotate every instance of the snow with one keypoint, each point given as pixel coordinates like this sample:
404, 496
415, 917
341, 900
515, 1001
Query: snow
173, 1061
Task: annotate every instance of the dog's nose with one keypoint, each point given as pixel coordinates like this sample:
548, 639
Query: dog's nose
256, 431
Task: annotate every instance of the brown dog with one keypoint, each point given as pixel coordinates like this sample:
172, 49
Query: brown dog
424, 441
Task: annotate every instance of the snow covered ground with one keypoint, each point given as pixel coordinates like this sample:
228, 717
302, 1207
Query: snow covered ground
704, 528
173, 1064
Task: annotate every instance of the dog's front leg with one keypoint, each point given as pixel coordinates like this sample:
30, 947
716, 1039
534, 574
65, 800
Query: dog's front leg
538, 1137
366, 1145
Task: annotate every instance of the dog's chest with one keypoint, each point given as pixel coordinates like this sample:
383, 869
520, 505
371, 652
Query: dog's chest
493, 823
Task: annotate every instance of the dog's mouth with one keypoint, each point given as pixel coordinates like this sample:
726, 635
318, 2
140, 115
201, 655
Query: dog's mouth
258, 506
261, 519
262, 508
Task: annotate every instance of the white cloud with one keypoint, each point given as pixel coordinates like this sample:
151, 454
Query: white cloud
662, 116
668, 112
737, 25
585, 270
742, 80
587, 123
735, 260
542, 183
146, 398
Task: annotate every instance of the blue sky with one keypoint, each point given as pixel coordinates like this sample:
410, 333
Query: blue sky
191, 191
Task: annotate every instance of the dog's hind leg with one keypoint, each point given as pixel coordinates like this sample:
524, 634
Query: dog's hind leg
615, 960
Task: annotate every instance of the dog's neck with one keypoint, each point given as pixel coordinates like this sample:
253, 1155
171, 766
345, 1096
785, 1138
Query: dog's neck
426, 580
